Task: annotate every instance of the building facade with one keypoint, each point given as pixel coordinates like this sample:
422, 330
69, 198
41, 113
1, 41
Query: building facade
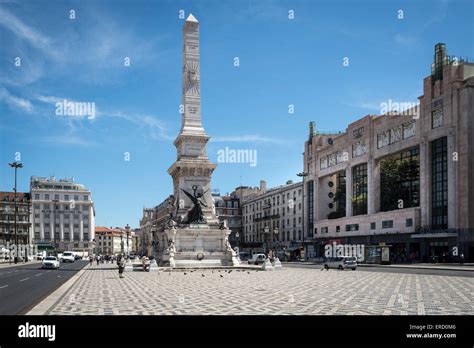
273, 220
228, 209
62, 214
404, 179
7, 218
112, 241
151, 222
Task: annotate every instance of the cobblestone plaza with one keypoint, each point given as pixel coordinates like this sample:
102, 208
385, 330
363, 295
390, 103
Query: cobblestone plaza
287, 292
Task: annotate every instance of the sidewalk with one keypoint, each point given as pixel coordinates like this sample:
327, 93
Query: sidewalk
438, 266
4, 264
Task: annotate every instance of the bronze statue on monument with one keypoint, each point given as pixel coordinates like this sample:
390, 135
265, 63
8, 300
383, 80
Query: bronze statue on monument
195, 215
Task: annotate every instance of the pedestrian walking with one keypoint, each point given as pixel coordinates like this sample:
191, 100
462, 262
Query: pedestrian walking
97, 259
90, 260
121, 264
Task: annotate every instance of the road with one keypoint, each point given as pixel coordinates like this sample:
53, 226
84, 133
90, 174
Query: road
452, 273
22, 287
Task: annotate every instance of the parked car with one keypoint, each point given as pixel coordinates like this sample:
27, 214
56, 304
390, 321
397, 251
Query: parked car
39, 256
256, 259
50, 262
341, 263
67, 256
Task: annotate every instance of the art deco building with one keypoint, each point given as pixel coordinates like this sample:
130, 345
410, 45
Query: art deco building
62, 214
402, 179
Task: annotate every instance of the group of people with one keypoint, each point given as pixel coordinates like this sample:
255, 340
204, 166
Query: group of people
102, 259
120, 260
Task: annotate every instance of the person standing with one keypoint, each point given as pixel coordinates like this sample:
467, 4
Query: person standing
121, 264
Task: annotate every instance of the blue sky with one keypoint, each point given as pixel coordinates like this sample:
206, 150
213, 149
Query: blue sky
283, 61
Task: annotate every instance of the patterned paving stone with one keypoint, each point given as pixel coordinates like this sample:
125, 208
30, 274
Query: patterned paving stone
286, 292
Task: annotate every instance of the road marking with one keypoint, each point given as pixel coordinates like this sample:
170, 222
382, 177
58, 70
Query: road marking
38, 274
1, 287
24, 279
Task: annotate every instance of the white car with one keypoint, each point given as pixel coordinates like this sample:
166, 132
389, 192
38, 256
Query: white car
39, 256
50, 262
68, 256
256, 259
341, 263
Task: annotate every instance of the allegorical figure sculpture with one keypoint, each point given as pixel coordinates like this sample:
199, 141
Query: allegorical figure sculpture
195, 214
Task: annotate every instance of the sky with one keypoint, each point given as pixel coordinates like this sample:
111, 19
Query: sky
331, 62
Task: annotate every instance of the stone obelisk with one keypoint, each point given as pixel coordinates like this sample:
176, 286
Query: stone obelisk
194, 242
192, 167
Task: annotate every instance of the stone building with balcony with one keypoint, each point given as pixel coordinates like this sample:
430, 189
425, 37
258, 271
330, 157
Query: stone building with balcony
272, 219
7, 218
404, 179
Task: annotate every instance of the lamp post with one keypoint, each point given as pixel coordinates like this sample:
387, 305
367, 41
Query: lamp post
276, 233
266, 229
127, 228
303, 175
15, 165
121, 242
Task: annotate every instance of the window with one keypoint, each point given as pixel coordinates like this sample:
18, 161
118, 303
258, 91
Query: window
66, 197
46, 196
338, 228
76, 197
387, 224
359, 189
56, 197
400, 178
372, 225
324, 229
352, 227
37, 196
439, 183
437, 114
409, 222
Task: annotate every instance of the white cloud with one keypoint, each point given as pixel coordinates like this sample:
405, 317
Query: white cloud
15, 102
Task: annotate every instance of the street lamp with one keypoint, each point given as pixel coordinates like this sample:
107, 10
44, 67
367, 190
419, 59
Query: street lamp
15, 165
276, 233
303, 175
128, 234
266, 229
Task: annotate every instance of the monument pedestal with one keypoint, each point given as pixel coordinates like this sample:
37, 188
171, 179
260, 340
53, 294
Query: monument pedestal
128, 266
199, 246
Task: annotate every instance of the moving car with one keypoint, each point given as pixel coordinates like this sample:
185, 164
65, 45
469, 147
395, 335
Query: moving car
67, 256
256, 259
50, 262
39, 256
341, 263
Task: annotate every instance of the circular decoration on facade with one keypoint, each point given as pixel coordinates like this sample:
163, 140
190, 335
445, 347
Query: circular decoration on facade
330, 205
330, 195
330, 184
200, 256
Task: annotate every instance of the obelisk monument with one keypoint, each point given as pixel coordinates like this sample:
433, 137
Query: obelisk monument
195, 236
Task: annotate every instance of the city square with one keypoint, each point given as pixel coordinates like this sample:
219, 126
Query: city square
290, 291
